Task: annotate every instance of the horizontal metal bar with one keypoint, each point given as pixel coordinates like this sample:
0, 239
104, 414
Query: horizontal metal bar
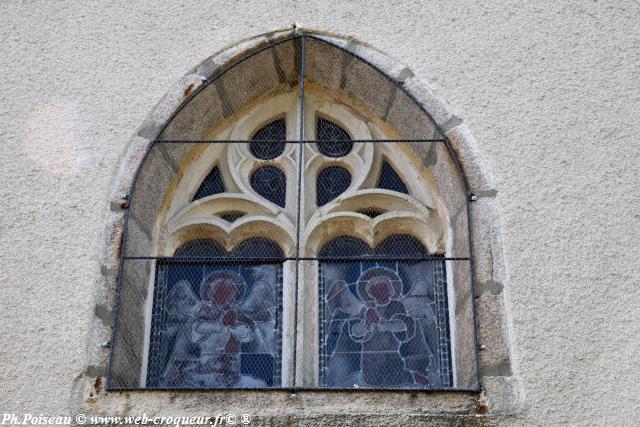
307, 141
300, 389
282, 259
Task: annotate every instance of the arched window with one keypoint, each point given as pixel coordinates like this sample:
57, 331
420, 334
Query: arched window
299, 222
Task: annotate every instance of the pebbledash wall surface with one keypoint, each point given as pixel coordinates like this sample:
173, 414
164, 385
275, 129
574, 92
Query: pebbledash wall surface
540, 101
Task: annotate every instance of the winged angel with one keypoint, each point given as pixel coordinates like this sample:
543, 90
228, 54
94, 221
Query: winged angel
377, 332
210, 334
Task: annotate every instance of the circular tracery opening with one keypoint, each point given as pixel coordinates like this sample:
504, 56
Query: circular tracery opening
333, 141
270, 183
332, 181
268, 142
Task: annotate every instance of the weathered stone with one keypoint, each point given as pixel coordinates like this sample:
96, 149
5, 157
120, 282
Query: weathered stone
424, 95
494, 357
128, 167
153, 180
287, 62
126, 363
324, 64
249, 80
460, 230
469, 157
502, 395
487, 242
197, 117
390, 67
187, 85
407, 117
233, 53
465, 351
364, 83
112, 249
449, 182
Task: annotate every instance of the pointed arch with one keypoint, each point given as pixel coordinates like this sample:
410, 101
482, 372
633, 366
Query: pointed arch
388, 102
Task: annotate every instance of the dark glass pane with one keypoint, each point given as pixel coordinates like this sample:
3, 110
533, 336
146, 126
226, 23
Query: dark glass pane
265, 144
200, 248
231, 216
215, 324
345, 246
270, 183
371, 212
259, 247
390, 180
212, 184
333, 141
401, 245
332, 182
385, 324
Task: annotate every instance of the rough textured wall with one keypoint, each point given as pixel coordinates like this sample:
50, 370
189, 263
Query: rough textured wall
550, 91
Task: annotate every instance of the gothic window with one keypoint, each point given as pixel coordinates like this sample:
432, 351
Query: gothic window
296, 233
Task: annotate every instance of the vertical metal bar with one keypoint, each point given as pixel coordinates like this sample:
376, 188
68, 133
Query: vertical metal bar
298, 218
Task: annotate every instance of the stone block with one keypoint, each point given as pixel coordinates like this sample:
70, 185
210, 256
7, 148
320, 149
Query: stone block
364, 83
494, 357
247, 81
286, 57
126, 365
487, 244
502, 395
408, 119
424, 95
464, 339
389, 66
128, 166
447, 178
194, 121
324, 64
154, 178
112, 249
468, 154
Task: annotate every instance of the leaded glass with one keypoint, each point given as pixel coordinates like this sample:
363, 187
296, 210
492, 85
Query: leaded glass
332, 181
231, 216
211, 185
390, 180
216, 324
385, 321
266, 143
333, 141
270, 183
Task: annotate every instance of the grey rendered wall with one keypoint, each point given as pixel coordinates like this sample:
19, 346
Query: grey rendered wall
550, 91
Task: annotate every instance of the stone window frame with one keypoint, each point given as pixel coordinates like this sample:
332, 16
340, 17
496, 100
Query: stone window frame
499, 392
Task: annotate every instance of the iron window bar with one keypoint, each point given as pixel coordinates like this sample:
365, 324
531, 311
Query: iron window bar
304, 141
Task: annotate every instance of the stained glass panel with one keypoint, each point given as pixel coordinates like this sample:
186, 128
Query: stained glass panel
390, 180
211, 185
333, 141
217, 324
332, 181
385, 322
266, 143
270, 183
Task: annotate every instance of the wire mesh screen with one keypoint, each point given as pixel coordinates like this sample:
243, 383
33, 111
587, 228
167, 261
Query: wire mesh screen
228, 241
385, 312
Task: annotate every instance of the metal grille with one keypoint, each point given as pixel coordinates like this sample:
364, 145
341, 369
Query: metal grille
385, 316
268, 142
217, 302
